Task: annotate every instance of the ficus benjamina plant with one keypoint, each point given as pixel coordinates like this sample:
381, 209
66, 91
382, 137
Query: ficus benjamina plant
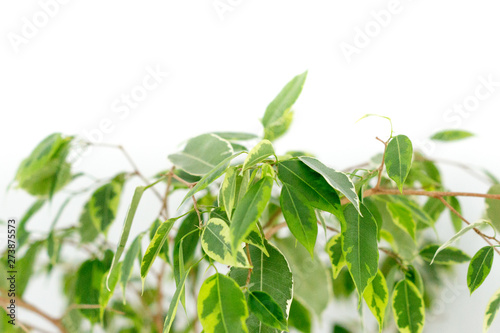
261, 241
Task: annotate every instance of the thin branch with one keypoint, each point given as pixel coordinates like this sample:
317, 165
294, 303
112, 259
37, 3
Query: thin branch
483, 236
432, 194
381, 167
54, 321
131, 161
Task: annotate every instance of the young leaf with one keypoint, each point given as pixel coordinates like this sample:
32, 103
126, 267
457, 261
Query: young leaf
398, 158
479, 267
249, 211
271, 274
260, 152
210, 177
222, 307
451, 135
202, 154
278, 115
300, 218
128, 263
229, 190
334, 250
376, 296
493, 207
338, 180
458, 235
300, 318
105, 294
491, 311
161, 235
310, 185
360, 246
174, 303
267, 310
215, 241
403, 218
408, 307
448, 256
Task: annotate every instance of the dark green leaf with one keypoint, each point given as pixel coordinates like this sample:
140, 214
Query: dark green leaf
398, 157
267, 310
300, 217
479, 267
448, 256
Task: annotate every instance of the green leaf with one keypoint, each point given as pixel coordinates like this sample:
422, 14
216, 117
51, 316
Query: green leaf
360, 246
230, 189
451, 135
376, 296
491, 311
458, 235
188, 233
338, 180
105, 294
300, 218
222, 307
300, 318
398, 158
403, 218
22, 233
249, 211
270, 274
127, 225
278, 115
267, 310
259, 153
128, 263
202, 154
493, 207
334, 250
103, 204
408, 307
457, 221
45, 170
164, 251
26, 265
448, 256
311, 280
174, 303
161, 235
310, 185
215, 241
479, 267
236, 136
210, 177
88, 287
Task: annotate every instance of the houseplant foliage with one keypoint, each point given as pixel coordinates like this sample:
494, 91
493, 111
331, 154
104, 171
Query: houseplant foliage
242, 252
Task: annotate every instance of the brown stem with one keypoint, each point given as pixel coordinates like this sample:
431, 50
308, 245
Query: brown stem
56, 322
381, 167
273, 218
483, 236
131, 161
432, 194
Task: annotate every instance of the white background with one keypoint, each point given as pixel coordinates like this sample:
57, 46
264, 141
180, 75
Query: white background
224, 70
